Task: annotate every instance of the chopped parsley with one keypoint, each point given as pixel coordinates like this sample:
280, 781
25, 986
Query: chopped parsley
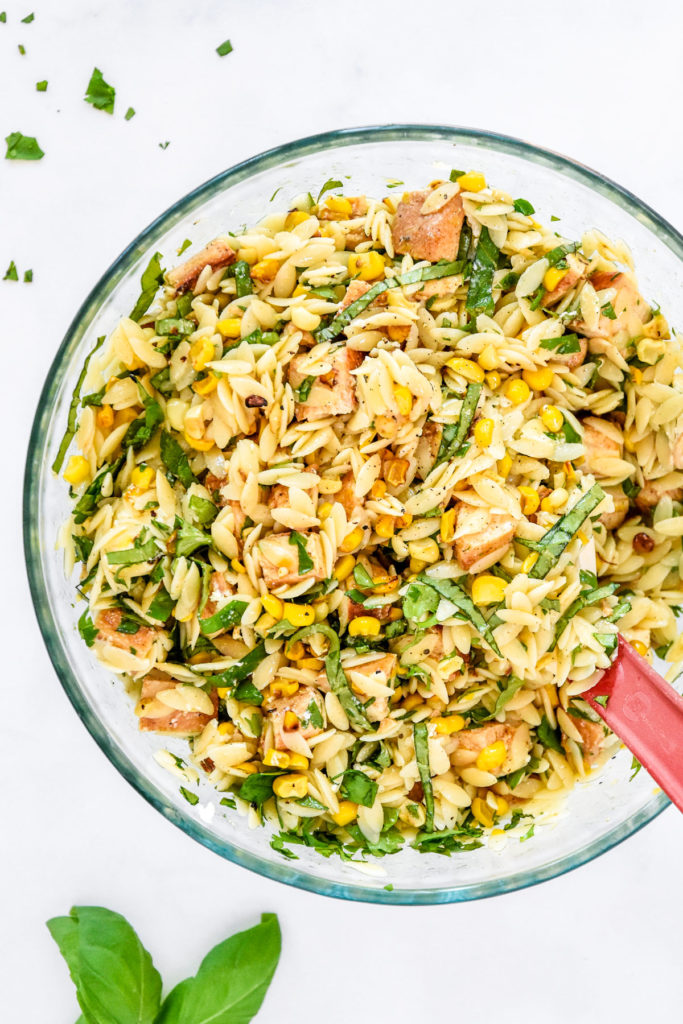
305, 560
99, 93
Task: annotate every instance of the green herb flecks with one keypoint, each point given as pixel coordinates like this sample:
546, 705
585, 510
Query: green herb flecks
330, 184
421, 740
99, 93
150, 282
72, 418
189, 539
142, 429
464, 603
203, 510
241, 669
87, 630
89, 500
303, 391
454, 434
242, 275
480, 291
562, 346
584, 600
305, 560
228, 616
224, 49
161, 606
11, 272
136, 555
175, 459
524, 206
22, 147
553, 543
548, 736
357, 787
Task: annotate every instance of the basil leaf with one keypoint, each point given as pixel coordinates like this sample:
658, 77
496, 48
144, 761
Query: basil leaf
421, 741
514, 684
87, 630
72, 418
328, 186
608, 311
64, 931
175, 459
582, 601
22, 147
524, 206
89, 500
83, 545
241, 669
172, 1006
224, 49
204, 510
419, 604
457, 596
130, 113
480, 293
229, 615
357, 787
141, 430
191, 798
316, 718
453, 434
557, 254
336, 676
570, 435
553, 543
135, 555
362, 577
303, 391
151, 280
564, 345
305, 560
548, 736
162, 605
242, 275
99, 93
248, 694
189, 539
11, 273
175, 325
258, 788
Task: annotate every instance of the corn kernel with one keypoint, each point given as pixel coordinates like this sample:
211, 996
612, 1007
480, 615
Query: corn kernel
517, 391
142, 476
352, 539
339, 205
540, 379
483, 432
639, 647
298, 761
473, 181
324, 510
384, 527
364, 625
313, 664
291, 721
416, 565
105, 417
447, 528
449, 724
367, 266
412, 702
200, 444
274, 606
77, 470
347, 813
265, 270
482, 812
554, 500
231, 327
530, 500
426, 550
378, 490
552, 278
206, 385
344, 567
404, 399
295, 217
222, 691
237, 566
201, 353
283, 687
552, 418
529, 562
247, 768
299, 614
502, 806
226, 729
329, 485
295, 651
398, 332
492, 757
385, 584
505, 465
466, 368
637, 375
404, 520
488, 589
494, 380
290, 787
488, 358
395, 472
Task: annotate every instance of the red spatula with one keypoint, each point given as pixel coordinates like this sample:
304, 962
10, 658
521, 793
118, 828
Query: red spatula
645, 713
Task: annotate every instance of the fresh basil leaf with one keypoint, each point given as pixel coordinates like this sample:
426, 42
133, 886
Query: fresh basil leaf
362, 577
582, 601
305, 560
175, 459
635, 768
524, 206
28, 276
142, 430
630, 489
205, 511
83, 546
548, 736
162, 605
514, 684
509, 281
564, 345
174, 325
87, 630
224, 49
72, 418
558, 254
150, 282
191, 797
241, 669
189, 539
258, 788
11, 272
464, 603
357, 787
22, 147
479, 293
87, 503
99, 93
135, 555
129, 114
303, 391
172, 1006
315, 716
228, 616
419, 604
570, 435
602, 700
328, 186
336, 676
608, 311
95, 398
610, 641
28, 19
242, 275
421, 741
453, 434
553, 543
247, 693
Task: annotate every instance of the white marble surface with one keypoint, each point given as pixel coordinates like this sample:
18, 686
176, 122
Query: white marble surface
597, 81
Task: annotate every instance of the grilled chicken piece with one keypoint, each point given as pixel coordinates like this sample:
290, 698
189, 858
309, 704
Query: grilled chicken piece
653, 491
427, 236
108, 622
216, 254
468, 744
428, 448
613, 520
278, 710
592, 736
631, 309
280, 559
180, 723
599, 444
335, 396
481, 537
576, 270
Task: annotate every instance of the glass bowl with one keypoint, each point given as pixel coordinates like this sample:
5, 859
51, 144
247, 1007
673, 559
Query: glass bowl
600, 812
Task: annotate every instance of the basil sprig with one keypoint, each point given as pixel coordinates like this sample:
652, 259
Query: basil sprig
421, 740
480, 291
453, 434
72, 421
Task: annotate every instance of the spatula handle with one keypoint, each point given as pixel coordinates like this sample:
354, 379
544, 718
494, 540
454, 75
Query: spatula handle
647, 714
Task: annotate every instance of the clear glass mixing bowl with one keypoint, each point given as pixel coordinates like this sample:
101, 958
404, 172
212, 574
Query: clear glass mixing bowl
601, 812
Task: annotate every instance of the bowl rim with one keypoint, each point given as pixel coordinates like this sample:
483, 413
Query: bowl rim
286, 872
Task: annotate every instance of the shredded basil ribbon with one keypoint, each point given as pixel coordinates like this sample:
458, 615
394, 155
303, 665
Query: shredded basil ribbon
582, 601
344, 318
457, 596
453, 435
553, 543
421, 741
336, 677
71, 421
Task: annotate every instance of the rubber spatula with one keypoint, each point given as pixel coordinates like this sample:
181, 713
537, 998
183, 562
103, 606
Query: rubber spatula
646, 713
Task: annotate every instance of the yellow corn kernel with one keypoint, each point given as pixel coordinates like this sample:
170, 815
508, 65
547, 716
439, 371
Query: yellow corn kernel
416, 565
492, 756
378, 490
412, 702
291, 721
384, 527
329, 485
231, 327
347, 813
482, 812
352, 540
298, 761
324, 510
200, 444
404, 399
497, 832
517, 391
201, 353
404, 520
569, 471
540, 379
299, 614
339, 205
552, 418
395, 472
344, 568
206, 385
529, 562
552, 278
488, 358
505, 465
283, 687
473, 181
637, 375
502, 806
247, 768
639, 647
290, 787
488, 589
657, 328
226, 729
395, 614
367, 266
466, 368
314, 664
274, 606
299, 290
449, 724
295, 217
494, 380
265, 270
426, 550
105, 417
447, 528
237, 566
295, 651
483, 432
398, 332
530, 500
77, 470
553, 698
364, 625
142, 476
222, 691
385, 584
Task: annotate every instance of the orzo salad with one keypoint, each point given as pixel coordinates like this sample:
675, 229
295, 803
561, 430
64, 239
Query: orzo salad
364, 494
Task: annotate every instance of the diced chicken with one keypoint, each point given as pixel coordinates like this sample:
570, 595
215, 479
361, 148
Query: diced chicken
181, 723
468, 744
427, 236
575, 272
653, 491
381, 670
351, 610
439, 288
631, 309
280, 560
599, 443
481, 537
216, 254
219, 592
279, 495
333, 396
428, 448
613, 520
298, 704
347, 496
572, 359
108, 623
592, 736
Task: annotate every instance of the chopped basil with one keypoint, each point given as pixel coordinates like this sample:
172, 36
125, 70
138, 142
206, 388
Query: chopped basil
83, 546
242, 275
186, 245
258, 788
89, 500
22, 147
162, 605
205, 511
548, 736
570, 435
22, 49
95, 398
584, 600
528, 834
357, 787
135, 555
524, 206
11, 272
189, 539
151, 280
28, 19
224, 49
303, 391
419, 605
174, 325
142, 429
564, 345
71, 423
608, 311
336, 676
41, 86
314, 715
164, 145
602, 700
305, 560
130, 113
454, 175
28, 276
558, 254
362, 576
453, 434
328, 186
457, 596
241, 669
552, 544
610, 641
87, 630
3, 16
479, 293
509, 281
191, 798
228, 616
161, 381
514, 684
247, 693
421, 741
635, 768
99, 93
175, 459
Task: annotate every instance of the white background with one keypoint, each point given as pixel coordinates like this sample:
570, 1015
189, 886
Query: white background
599, 81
